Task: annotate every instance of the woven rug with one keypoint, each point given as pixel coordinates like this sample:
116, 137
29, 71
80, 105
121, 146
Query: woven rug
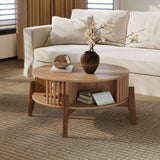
104, 134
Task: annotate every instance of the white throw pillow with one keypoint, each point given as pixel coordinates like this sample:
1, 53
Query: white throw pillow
68, 31
120, 22
147, 26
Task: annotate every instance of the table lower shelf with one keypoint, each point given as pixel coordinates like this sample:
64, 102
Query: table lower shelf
80, 105
38, 98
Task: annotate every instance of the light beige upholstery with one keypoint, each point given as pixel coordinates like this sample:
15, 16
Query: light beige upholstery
34, 37
119, 26
145, 84
142, 61
147, 26
144, 64
73, 32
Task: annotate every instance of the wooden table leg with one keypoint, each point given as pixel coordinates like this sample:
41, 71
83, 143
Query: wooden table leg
31, 102
131, 105
65, 117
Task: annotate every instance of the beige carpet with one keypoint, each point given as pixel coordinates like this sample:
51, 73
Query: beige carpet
104, 134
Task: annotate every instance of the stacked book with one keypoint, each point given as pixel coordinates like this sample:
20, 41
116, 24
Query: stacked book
86, 97
98, 97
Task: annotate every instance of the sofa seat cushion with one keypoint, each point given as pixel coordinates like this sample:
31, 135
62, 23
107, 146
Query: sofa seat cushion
142, 61
48, 54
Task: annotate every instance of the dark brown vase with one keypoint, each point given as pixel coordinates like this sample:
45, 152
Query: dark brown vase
90, 61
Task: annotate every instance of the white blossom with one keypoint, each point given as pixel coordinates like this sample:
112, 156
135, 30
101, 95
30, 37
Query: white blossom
95, 35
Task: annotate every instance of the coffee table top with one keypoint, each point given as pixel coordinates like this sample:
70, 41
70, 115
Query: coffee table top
104, 72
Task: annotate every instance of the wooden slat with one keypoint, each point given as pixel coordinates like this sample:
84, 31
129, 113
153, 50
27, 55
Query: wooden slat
62, 91
118, 91
64, 85
54, 93
126, 86
47, 91
122, 89
50, 91
58, 93
62, 88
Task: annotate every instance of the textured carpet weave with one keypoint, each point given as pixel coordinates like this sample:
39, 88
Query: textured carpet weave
104, 134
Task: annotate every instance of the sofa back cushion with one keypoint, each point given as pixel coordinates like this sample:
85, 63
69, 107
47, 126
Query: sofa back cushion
120, 22
147, 26
68, 31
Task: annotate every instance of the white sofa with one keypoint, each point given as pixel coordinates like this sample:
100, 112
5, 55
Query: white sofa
143, 63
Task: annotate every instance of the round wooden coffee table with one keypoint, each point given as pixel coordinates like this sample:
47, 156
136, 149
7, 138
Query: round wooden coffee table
60, 89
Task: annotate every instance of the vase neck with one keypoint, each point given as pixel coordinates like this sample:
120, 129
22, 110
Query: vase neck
91, 48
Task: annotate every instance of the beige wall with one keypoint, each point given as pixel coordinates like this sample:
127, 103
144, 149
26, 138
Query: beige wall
140, 5
7, 46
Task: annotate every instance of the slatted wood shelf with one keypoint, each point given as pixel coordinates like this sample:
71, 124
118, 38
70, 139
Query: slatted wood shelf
80, 105
38, 98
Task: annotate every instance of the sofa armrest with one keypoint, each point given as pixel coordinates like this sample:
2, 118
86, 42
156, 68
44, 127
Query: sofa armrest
34, 37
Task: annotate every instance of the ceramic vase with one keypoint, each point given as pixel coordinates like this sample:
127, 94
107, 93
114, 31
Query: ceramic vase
90, 61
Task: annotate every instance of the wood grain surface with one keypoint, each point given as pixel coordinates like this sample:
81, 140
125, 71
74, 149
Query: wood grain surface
105, 72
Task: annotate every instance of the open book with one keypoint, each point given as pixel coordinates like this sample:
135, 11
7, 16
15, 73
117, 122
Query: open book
103, 98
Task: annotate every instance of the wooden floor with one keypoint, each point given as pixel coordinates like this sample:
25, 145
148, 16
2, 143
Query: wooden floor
7, 67
11, 63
